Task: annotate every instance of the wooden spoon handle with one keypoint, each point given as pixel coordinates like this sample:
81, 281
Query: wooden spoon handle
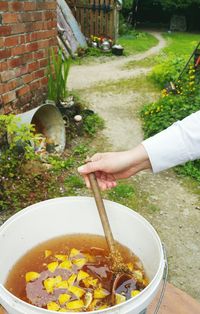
102, 212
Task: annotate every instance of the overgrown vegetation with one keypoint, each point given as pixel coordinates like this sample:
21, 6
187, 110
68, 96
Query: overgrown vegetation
58, 70
27, 177
174, 105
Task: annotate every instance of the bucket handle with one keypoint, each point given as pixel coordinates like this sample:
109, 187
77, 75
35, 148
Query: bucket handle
165, 275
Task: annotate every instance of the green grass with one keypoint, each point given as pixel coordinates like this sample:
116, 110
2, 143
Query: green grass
144, 63
125, 85
181, 43
134, 44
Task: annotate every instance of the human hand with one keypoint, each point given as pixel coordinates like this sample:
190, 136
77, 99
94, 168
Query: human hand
112, 166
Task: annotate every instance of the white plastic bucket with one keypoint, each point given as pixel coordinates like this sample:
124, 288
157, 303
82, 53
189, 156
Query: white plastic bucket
72, 215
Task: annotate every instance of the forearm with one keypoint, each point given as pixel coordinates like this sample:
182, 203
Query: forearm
175, 145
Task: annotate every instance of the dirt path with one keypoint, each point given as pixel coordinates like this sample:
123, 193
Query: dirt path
88, 75
177, 220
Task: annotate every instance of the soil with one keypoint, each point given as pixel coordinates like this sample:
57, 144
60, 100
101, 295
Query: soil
178, 216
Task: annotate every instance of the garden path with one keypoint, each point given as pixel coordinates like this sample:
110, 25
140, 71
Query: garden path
89, 75
175, 212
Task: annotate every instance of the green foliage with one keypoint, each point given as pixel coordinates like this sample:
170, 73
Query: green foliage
92, 123
172, 107
58, 70
122, 191
179, 4
74, 181
134, 42
168, 70
58, 163
22, 141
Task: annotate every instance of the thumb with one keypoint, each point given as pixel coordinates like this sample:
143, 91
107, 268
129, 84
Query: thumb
89, 167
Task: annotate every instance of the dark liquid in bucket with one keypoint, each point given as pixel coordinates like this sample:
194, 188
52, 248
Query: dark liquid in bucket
73, 273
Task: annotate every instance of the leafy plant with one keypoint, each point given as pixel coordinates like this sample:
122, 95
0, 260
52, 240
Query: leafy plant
92, 123
58, 70
121, 191
168, 69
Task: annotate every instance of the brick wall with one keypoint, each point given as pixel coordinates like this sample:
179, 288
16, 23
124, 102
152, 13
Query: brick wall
27, 30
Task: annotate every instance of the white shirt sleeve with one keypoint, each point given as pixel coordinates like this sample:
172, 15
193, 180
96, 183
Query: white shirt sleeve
176, 145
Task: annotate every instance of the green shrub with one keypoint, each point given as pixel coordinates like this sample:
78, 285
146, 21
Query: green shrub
171, 107
92, 123
167, 70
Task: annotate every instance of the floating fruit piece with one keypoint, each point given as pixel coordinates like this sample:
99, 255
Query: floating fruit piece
138, 275
62, 284
102, 307
66, 265
87, 299
47, 253
93, 305
80, 262
74, 305
130, 266
78, 292
119, 298
100, 293
71, 279
74, 252
134, 293
50, 283
63, 298
90, 258
31, 276
53, 306
52, 266
61, 257
82, 275
89, 281
63, 310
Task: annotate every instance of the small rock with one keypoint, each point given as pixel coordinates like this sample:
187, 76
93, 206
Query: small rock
78, 118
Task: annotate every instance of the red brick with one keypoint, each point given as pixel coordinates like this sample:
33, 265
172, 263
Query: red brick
35, 85
11, 85
7, 75
33, 36
9, 18
31, 47
22, 39
4, 6
43, 44
37, 26
44, 81
16, 6
5, 30
3, 66
27, 78
23, 90
18, 28
39, 54
22, 70
19, 50
27, 57
43, 63
48, 5
51, 24
15, 62
33, 66
1, 42
29, 6
39, 74
5, 53
49, 15
11, 41
8, 97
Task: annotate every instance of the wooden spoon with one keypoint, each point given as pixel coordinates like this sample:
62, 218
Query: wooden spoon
120, 269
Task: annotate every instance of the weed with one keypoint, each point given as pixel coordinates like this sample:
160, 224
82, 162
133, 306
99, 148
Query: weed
122, 191
92, 123
74, 181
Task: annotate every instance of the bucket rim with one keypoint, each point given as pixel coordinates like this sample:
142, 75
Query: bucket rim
159, 272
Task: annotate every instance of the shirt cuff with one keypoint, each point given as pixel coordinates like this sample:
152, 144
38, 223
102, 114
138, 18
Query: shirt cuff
166, 149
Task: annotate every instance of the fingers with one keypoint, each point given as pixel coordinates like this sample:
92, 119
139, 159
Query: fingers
105, 182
